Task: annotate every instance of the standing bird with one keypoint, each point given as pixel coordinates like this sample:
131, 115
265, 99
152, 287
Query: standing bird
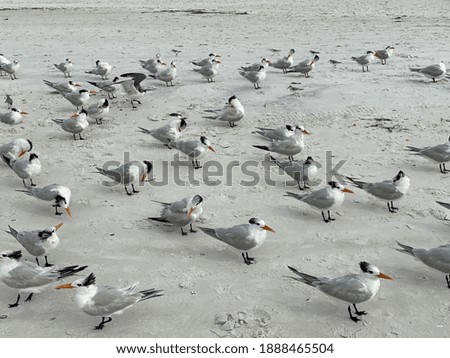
330, 197
365, 60
304, 67
435, 72
255, 77
59, 193
132, 87
15, 116
195, 150
38, 243
153, 65
387, 190
438, 153
232, 112
181, 213
28, 277
134, 172
9, 101
170, 132
352, 288
11, 69
383, 55
98, 110
25, 169
108, 86
3, 61
301, 172
78, 98
63, 87
205, 61
167, 75
65, 67
255, 67
75, 124
16, 149
437, 257
106, 301
244, 237
102, 69
210, 70
285, 62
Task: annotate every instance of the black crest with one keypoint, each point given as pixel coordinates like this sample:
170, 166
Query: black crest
16, 255
364, 266
90, 280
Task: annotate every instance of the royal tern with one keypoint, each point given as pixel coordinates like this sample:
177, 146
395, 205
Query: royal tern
387, 190
280, 133
194, 149
134, 172
102, 69
330, 197
244, 237
11, 69
210, 70
9, 101
59, 193
38, 243
167, 75
445, 205
438, 153
255, 77
383, 55
365, 60
108, 86
301, 172
75, 124
170, 132
232, 112
25, 168
15, 116
28, 277
78, 98
351, 288
181, 213
63, 87
255, 67
132, 87
98, 110
304, 67
334, 62
435, 72
153, 65
16, 149
285, 62
3, 61
205, 61
107, 301
65, 67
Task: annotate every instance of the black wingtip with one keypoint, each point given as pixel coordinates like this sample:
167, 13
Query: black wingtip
263, 147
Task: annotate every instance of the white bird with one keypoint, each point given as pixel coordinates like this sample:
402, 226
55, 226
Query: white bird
437, 257
134, 172
383, 55
75, 124
65, 67
38, 243
3, 61
387, 190
132, 87
330, 197
285, 62
102, 69
15, 116
210, 70
16, 149
301, 172
244, 237
205, 61
63, 87
59, 193
108, 86
107, 301
78, 98
435, 72
255, 67
351, 288
437, 153
232, 112
255, 77
181, 213
170, 132
280, 133
304, 67
98, 110
25, 168
28, 277
167, 75
153, 65
11, 69
194, 149
365, 60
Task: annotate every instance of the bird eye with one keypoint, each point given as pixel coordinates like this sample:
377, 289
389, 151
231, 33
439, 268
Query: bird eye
371, 272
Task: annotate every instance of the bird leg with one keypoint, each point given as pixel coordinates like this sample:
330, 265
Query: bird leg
37, 261
74, 138
324, 219
248, 260
447, 278
132, 104
329, 216
11, 305
30, 296
134, 191
353, 318
46, 262
443, 169
32, 184
196, 164
183, 233
359, 313
300, 187
391, 207
80, 137
192, 229
102, 323
99, 120
127, 190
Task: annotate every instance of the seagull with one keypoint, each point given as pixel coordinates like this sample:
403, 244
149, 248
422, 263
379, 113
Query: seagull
244, 237
334, 62
11, 69
195, 150
25, 169
132, 87
352, 288
387, 190
170, 132
38, 243
383, 55
15, 116
108, 86
232, 112
78, 98
435, 72
255, 67
102, 69
285, 62
28, 277
301, 172
9, 101
3, 61
205, 61
304, 67
437, 257
330, 197
365, 60
167, 75
134, 172
98, 110
59, 193
210, 70
181, 213
254, 77
107, 301
65, 67
16, 149
281, 133
76, 124
438, 153
63, 87
153, 65
445, 205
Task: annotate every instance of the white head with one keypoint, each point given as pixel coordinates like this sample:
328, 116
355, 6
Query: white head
256, 222
372, 270
207, 143
336, 186
80, 284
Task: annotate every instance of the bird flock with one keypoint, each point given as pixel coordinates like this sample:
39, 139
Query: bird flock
287, 140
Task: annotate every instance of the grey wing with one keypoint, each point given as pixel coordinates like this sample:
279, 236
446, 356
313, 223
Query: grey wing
437, 258
26, 276
236, 236
384, 190
439, 153
445, 205
180, 206
348, 288
433, 70
320, 199
128, 86
114, 174
187, 147
109, 300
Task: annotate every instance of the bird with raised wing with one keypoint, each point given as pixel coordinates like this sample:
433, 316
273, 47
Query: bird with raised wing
285, 62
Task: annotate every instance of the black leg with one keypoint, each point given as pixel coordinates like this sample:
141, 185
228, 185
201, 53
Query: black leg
324, 219
300, 187
447, 278
127, 190
37, 261
392, 206
30, 296
134, 191
359, 313
353, 318
248, 260
329, 216
16, 303
74, 138
46, 262
102, 323
183, 233
80, 137
192, 229
24, 184
32, 184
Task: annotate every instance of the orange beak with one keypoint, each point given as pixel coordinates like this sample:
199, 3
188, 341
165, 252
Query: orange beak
74, 115
348, 191
58, 226
67, 285
92, 92
306, 132
382, 275
77, 85
211, 149
23, 113
69, 213
22, 153
268, 228
190, 212
144, 176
